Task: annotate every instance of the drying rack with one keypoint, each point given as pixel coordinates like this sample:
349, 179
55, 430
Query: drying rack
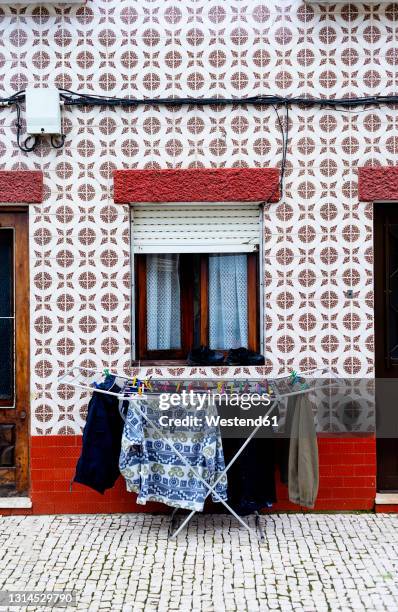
135, 391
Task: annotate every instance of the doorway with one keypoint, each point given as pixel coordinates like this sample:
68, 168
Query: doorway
386, 343
14, 361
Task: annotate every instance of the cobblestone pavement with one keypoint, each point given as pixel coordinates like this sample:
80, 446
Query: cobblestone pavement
128, 562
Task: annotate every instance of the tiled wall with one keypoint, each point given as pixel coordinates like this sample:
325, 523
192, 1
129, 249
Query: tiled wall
318, 239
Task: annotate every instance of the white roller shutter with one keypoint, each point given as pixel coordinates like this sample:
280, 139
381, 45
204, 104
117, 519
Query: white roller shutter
203, 227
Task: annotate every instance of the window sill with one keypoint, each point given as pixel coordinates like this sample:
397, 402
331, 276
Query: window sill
9, 503
160, 362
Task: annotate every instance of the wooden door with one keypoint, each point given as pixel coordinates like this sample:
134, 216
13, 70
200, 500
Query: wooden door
14, 359
386, 343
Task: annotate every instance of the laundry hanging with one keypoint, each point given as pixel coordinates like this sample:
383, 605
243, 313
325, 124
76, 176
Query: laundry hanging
153, 470
303, 474
201, 455
98, 464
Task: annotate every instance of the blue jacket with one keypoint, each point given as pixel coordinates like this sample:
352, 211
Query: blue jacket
98, 465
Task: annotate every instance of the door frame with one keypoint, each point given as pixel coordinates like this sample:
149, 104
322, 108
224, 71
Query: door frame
380, 240
386, 448
18, 217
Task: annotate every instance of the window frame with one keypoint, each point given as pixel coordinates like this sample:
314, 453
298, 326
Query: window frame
187, 311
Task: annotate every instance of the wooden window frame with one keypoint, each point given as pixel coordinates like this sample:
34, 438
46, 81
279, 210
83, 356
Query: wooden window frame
187, 314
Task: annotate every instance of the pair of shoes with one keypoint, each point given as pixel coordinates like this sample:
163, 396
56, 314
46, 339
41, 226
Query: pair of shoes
204, 356
242, 356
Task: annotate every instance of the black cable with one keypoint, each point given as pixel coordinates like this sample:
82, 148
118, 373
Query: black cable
23, 146
18, 96
72, 98
81, 99
60, 144
284, 157
279, 186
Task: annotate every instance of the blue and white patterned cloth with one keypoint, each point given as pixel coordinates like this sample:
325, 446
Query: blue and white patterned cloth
152, 469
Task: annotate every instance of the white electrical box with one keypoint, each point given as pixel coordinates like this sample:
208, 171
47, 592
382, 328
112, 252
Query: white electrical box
43, 110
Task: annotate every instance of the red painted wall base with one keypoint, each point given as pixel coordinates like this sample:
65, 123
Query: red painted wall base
386, 508
347, 480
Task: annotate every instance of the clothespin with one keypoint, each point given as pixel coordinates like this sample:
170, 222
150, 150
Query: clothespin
134, 381
106, 372
293, 376
219, 387
178, 387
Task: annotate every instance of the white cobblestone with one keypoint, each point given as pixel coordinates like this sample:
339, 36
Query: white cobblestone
128, 562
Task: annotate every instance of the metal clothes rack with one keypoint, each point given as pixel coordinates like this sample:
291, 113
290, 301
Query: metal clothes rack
279, 388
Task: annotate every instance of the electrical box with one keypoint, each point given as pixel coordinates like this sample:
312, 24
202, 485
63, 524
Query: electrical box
43, 110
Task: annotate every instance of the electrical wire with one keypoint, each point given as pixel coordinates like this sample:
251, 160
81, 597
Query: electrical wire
55, 144
285, 150
73, 98
23, 146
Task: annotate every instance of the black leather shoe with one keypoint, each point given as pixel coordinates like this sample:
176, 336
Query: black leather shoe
242, 356
204, 356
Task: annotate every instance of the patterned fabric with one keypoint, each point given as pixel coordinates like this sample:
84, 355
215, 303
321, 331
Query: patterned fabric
163, 302
227, 301
151, 467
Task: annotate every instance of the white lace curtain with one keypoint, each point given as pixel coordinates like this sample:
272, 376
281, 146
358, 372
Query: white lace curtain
163, 302
227, 301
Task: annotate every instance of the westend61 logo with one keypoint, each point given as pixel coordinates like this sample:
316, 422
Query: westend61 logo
207, 400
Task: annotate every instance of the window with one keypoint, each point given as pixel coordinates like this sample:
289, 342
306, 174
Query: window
6, 315
185, 300
196, 267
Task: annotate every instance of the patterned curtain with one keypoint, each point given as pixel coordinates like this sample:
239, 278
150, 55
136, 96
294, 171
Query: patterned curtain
163, 302
227, 301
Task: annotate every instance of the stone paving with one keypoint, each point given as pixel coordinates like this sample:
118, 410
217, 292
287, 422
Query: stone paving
128, 562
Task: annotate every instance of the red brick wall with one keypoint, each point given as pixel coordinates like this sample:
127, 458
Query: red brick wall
347, 479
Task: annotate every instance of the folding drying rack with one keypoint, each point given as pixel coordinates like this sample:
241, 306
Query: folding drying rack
278, 389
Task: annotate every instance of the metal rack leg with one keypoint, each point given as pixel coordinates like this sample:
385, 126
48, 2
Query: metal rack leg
234, 458
171, 521
258, 526
225, 471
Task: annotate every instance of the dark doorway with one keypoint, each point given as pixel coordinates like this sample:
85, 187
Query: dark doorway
386, 341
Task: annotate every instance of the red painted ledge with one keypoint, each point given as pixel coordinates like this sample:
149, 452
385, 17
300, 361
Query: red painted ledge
21, 186
197, 185
378, 183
